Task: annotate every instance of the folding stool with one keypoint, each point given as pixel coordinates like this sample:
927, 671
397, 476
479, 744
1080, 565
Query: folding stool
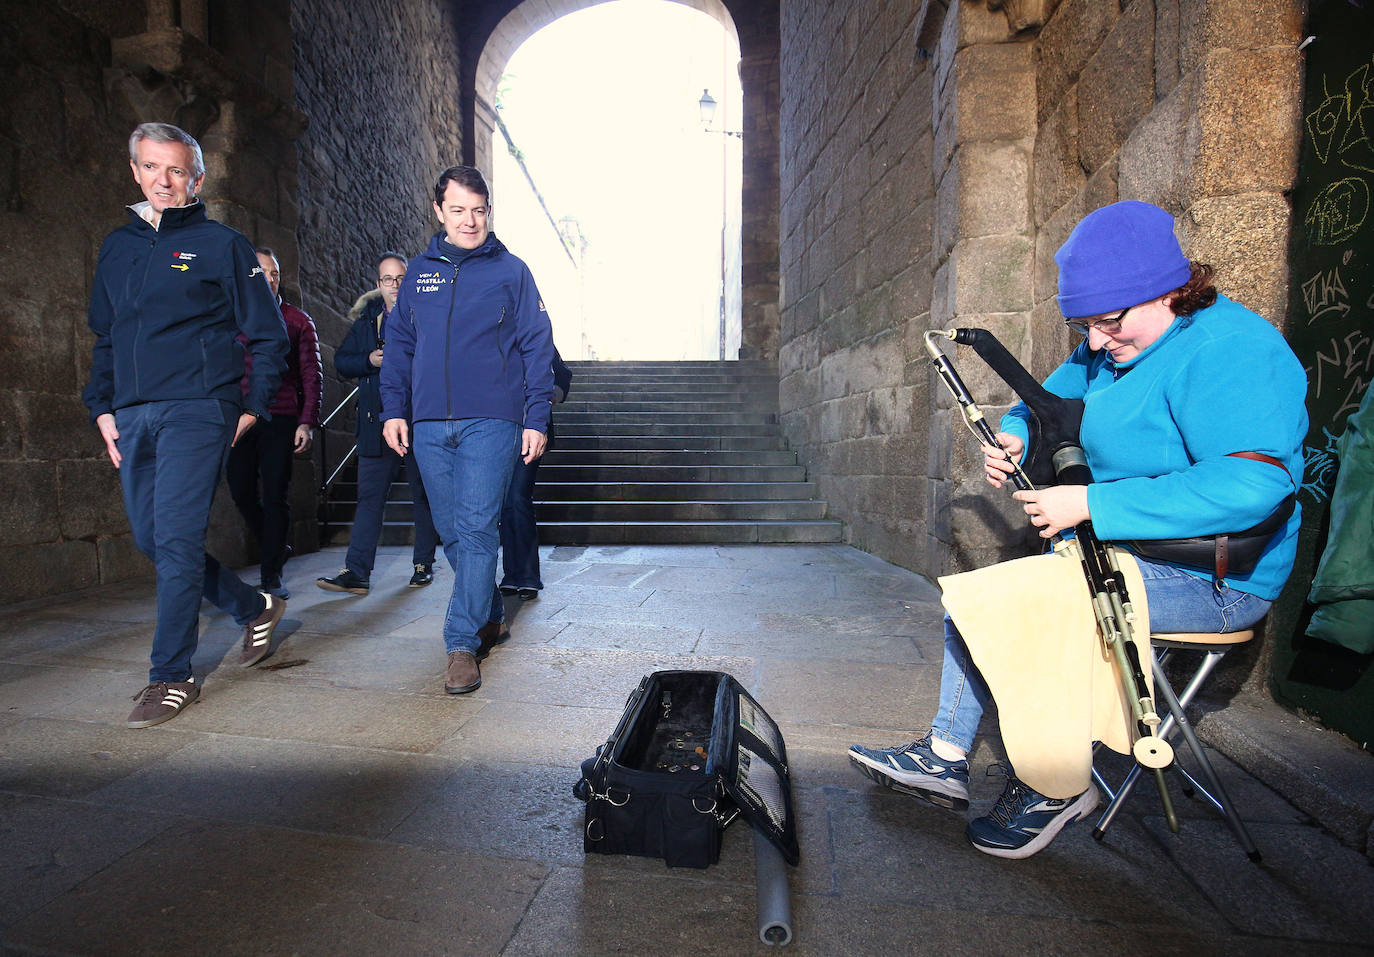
1213, 648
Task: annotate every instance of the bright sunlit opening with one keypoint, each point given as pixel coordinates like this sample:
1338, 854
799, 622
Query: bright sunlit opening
607, 184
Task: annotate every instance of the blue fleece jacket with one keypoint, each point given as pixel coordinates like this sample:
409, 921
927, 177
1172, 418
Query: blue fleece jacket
167, 307
468, 339
1158, 430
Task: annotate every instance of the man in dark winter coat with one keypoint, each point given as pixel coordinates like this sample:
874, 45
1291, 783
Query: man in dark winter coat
259, 469
360, 357
173, 291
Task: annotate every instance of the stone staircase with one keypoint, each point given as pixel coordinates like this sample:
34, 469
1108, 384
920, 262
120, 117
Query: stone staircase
675, 452
653, 453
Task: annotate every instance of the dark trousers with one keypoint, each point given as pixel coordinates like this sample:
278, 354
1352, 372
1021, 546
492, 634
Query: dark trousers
262, 459
519, 534
375, 475
173, 452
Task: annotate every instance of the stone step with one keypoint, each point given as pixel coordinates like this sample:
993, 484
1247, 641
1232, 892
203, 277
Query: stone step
667, 418
688, 533
636, 366
346, 492
659, 404
662, 452
675, 458
611, 391
680, 511
564, 442
649, 426
667, 473
674, 491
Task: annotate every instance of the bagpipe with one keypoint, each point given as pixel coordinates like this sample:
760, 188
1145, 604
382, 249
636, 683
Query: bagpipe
1055, 456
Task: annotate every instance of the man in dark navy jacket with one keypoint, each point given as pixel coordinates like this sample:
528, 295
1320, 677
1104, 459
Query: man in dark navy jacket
469, 358
360, 358
172, 292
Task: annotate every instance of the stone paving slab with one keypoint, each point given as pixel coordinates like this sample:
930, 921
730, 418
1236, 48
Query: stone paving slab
92, 756
352, 791
280, 891
48, 847
333, 800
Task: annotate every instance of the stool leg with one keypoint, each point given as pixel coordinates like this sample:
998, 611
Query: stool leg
1163, 689
1128, 783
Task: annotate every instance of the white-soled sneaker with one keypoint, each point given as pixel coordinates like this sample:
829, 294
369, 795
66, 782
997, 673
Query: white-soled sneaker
917, 770
162, 701
257, 637
1024, 821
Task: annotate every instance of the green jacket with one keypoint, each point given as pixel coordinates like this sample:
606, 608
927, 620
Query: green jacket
1343, 588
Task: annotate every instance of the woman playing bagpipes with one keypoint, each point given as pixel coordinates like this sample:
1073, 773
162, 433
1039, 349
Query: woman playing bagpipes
1193, 422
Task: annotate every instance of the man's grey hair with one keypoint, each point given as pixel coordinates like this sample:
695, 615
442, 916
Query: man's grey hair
167, 133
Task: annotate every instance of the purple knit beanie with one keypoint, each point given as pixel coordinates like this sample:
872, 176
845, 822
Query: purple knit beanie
1120, 255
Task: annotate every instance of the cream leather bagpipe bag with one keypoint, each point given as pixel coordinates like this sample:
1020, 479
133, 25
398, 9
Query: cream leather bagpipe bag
1030, 628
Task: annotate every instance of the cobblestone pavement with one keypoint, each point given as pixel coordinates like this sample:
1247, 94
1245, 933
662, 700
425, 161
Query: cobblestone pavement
334, 801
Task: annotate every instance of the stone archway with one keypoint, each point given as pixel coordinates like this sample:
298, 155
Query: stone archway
755, 25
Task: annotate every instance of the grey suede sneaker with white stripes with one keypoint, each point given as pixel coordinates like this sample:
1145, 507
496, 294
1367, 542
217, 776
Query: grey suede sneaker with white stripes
162, 701
916, 770
257, 637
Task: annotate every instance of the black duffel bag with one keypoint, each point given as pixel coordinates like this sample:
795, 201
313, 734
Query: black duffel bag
691, 752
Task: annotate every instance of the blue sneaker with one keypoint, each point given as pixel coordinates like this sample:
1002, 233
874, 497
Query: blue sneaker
916, 770
1024, 821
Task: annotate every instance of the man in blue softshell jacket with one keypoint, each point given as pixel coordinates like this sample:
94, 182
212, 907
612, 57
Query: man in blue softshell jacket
469, 353
172, 292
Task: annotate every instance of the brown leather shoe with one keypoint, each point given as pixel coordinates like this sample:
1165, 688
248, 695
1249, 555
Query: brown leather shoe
493, 633
463, 674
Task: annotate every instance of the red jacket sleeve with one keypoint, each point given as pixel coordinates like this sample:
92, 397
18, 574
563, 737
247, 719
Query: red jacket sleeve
308, 360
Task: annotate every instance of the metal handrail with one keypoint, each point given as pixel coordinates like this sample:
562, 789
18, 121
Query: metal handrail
335, 474
339, 408
324, 454
323, 508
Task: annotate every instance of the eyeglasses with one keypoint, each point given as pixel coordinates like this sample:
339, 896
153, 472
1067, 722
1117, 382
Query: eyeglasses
1108, 327
390, 280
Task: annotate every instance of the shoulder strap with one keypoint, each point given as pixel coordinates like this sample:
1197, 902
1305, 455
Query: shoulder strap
1260, 457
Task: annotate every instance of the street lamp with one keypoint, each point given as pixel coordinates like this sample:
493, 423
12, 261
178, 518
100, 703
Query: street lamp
706, 108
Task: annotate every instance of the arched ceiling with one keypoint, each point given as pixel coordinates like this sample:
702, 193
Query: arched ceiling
531, 16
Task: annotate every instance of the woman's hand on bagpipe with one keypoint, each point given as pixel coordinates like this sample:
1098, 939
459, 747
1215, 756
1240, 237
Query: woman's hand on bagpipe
1056, 508
997, 463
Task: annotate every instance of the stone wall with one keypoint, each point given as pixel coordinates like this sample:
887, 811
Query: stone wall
377, 85
81, 77
378, 81
1013, 120
856, 259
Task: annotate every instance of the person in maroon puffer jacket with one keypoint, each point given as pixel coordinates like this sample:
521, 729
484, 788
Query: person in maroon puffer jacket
259, 468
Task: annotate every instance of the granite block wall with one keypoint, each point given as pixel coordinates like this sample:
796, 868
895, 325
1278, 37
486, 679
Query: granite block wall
857, 261
934, 156
323, 126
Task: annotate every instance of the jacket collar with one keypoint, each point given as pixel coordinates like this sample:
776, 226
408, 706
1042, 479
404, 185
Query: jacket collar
174, 217
490, 247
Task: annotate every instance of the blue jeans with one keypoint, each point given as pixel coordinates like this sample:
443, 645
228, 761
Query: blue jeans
1179, 602
173, 452
467, 466
375, 475
519, 533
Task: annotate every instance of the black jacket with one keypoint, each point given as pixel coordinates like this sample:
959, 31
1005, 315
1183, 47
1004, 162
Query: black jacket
350, 361
167, 307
